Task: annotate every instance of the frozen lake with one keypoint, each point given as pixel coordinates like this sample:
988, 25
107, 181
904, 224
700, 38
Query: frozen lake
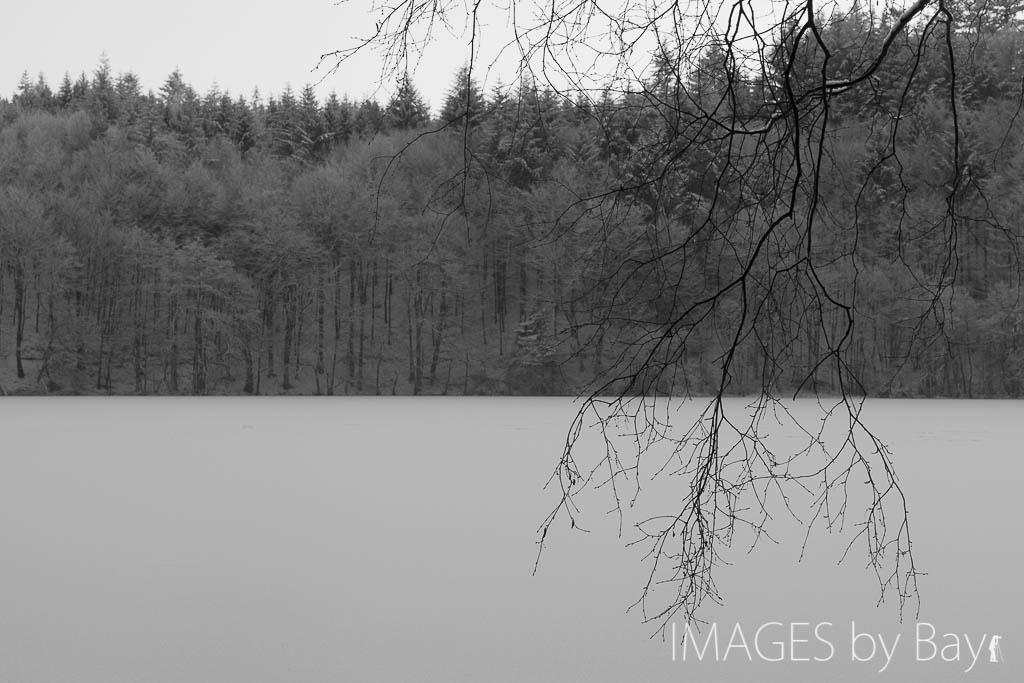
393, 539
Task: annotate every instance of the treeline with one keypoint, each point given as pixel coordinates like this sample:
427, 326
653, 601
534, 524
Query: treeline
176, 122
175, 243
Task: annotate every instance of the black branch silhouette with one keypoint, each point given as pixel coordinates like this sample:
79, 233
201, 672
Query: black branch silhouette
727, 249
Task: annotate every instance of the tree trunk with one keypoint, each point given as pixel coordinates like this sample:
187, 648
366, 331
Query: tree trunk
39, 304
410, 317
173, 319
439, 328
417, 386
268, 325
320, 306
289, 330
373, 302
1, 309
500, 280
19, 316
523, 287
298, 316
362, 328
389, 290
337, 332
483, 302
250, 386
198, 360
139, 346
352, 283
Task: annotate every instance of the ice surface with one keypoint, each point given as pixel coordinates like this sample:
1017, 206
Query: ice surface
316, 540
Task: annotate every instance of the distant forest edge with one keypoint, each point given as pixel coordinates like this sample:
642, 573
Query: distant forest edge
173, 243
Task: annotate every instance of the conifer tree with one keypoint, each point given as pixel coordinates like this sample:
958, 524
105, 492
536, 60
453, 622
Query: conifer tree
26, 92
283, 124
338, 118
368, 119
172, 95
406, 110
102, 100
464, 103
310, 126
65, 94
226, 115
44, 95
129, 98
80, 90
208, 113
244, 129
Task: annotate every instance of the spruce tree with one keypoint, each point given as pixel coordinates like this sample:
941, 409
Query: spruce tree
102, 100
26, 92
406, 110
244, 129
368, 118
310, 127
283, 124
65, 94
44, 96
338, 119
211, 123
463, 103
172, 92
129, 98
80, 90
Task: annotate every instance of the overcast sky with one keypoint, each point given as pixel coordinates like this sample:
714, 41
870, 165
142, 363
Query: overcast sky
242, 45
237, 45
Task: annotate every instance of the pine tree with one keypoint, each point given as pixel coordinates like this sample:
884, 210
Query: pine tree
283, 124
310, 127
582, 110
80, 90
65, 94
210, 122
191, 129
102, 79
225, 116
244, 130
151, 117
172, 95
463, 102
102, 100
129, 99
368, 119
406, 110
26, 92
44, 95
338, 119
709, 79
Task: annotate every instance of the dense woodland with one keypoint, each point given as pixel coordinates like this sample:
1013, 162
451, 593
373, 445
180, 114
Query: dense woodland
173, 242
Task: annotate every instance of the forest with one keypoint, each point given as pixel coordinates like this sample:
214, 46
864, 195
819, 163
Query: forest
174, 242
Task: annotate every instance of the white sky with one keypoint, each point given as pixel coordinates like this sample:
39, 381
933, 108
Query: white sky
236, 45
